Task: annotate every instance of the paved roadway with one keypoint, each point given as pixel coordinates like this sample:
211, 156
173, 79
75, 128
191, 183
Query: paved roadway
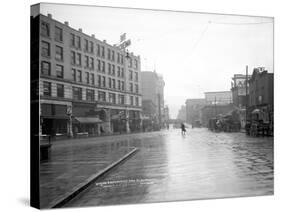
172, 167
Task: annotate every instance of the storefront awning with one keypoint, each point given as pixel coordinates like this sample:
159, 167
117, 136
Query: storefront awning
88, 120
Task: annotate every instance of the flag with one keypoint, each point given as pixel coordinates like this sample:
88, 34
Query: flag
122, 37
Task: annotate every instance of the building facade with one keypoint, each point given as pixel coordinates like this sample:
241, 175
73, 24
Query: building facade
261, 95
193, 110
238, 89
218, 97
153, 97
85, 85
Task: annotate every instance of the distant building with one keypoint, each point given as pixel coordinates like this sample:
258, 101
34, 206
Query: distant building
153, 96
238, 89
182, 113
261, 93
193, 110
218, 97
166, 114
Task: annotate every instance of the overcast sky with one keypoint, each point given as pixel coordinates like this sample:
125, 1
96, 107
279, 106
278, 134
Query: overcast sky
195, 52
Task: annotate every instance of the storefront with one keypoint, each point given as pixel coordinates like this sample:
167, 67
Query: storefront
87, 119
54, 119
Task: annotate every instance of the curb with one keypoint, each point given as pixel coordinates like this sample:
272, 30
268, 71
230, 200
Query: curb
82, 186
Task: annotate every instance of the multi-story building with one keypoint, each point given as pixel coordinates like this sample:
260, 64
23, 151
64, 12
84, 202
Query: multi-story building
238, 89
153, 96
193, 110
218, 97
261, 93
85, 85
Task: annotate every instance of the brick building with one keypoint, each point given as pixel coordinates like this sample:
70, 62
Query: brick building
261, 94
85, 85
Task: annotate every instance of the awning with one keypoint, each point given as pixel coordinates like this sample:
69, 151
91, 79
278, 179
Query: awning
88, 120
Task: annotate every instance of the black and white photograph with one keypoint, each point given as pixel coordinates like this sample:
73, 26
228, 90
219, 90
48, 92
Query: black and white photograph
132, 106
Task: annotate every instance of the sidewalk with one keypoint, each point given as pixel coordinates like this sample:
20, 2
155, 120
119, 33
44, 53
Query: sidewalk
75, 161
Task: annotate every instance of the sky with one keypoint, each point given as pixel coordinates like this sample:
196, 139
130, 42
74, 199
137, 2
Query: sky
195, 52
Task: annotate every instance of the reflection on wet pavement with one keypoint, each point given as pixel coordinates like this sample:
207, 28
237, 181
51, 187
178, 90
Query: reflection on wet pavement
72, 162
172, 167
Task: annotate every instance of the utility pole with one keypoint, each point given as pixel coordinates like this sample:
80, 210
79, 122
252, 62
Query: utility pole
216, 106
246, 93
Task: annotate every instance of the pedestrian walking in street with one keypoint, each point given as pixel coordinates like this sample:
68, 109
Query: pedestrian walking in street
183, 130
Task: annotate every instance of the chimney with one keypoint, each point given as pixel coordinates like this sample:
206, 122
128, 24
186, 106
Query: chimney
66, 23
104, 41
93, 35
80, 29
49, 15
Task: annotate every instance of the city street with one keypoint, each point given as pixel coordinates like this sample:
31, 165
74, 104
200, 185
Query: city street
170, 166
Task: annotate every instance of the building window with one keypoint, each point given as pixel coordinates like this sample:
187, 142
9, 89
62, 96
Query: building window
92, 65
118, 57
45, 68
113, 70
91, 47
78, 42
87, 61
119, 85
87, 78
59, 53
72, 57
59, 71
103, 81
112, 98
118, 71
136, 64
122, 86
136, 77
93, 79
103, 66
99, 80
72, 39
113, 84
131, 100
45, 29
86, 45
137, 101
108, 54
122, 72
109, 82
58, 34
136, 88
98, 50
121, 99
130, 63
122, 59
131, 87
45, 49
47, 89
130, 74
78, 59
79, 75
73, 74
60, 90
101, 96
109, 68
90, 95
77, 93
102, 52
99, 65
112, 55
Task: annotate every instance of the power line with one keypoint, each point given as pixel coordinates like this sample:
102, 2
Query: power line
228, 23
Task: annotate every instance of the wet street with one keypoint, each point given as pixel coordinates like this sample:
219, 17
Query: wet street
169, 167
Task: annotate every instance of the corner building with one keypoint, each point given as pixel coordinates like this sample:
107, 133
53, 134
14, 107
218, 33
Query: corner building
86, 86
